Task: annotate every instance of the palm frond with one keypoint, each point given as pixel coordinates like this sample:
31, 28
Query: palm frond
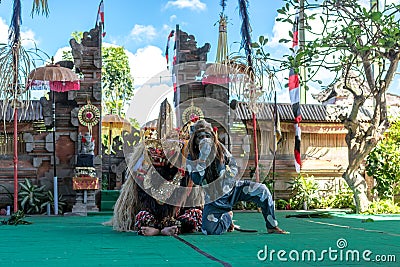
13, 87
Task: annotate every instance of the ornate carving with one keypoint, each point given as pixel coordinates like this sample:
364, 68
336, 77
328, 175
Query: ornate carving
86, 144
188, 50
77, 53
74, 117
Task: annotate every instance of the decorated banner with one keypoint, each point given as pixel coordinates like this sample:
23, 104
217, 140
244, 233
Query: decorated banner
57, 86
85, 183
167, 48
294, 91
100, 17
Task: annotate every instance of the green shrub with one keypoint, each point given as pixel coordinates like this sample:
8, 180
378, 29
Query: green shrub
50, 200
385, 206
282, 204
305, 191
243, 205
344, 198
383, 163
31, 197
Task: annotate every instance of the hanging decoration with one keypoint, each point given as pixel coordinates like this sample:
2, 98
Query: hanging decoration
219, 73
89, 116
192, 113
222, 47
294, 92
171, 34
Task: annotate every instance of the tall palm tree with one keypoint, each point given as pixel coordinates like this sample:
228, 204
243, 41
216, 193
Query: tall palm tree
15, 64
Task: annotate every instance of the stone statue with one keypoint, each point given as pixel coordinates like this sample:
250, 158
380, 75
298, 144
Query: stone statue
86, 147
86, 144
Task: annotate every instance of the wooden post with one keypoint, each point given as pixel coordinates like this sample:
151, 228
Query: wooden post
15, 159
55, 180
15, 85
275, 146
109, 156
255, 147
303, 74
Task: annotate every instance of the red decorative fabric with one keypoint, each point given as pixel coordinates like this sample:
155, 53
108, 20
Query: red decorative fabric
59, 86
191, 220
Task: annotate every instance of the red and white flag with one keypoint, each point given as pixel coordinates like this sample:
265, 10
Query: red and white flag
294, 91
171, 34
177, 97
100, 17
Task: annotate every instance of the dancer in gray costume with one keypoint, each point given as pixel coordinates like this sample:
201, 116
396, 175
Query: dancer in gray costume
211, 165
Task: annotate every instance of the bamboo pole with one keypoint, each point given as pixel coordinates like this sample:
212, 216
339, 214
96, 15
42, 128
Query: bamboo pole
15, 55
15, 159
303, 74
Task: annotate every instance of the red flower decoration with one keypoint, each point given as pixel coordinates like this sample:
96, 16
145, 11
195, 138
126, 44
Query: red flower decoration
182, 171
194, 118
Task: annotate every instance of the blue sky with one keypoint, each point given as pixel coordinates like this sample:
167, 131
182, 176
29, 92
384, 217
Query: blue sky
141, 27
135, 24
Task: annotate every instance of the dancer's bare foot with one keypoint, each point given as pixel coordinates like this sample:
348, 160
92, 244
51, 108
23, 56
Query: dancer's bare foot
149, 231
172, 230
276, 230
232, 226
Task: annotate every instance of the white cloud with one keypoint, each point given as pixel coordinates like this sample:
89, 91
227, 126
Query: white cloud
280, 31
3, 31
172, 18
27, 37
152, 81
191, 4
145, 104
149, 71
146, 63
143, 33
59, 53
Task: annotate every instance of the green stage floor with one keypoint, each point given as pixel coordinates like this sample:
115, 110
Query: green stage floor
84, 241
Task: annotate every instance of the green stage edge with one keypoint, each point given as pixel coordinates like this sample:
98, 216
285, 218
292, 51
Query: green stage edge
84, 241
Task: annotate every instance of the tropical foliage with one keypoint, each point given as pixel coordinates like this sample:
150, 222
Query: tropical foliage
383, 163
305, 190
16, 218
342, 199
385, 206
31, 197
360, 46
49, 200
117, 80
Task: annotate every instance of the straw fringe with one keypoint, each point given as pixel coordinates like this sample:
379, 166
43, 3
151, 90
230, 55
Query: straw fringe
124, 210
